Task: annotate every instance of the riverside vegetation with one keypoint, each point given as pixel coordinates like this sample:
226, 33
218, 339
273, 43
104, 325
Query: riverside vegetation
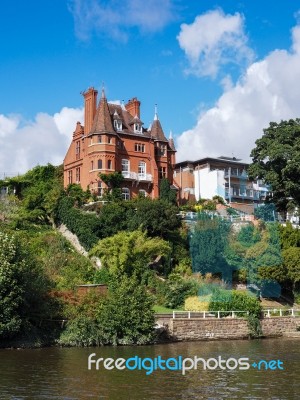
149, 260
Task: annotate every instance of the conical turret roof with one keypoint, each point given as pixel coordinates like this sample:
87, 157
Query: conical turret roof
102, 121
156, 131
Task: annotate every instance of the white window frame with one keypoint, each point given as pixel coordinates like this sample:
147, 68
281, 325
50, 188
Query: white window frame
125, 165
142, 169
125, 193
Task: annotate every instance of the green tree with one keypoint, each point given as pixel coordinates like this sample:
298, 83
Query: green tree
129, 252
38, 190
291, 260
155, 216
165, 191
23, 288
208, 243
127, 316
276, 160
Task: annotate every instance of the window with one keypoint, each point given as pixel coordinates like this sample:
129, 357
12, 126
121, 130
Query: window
109, 164
161, 150
70, 177
100, 189
92, 165
109, 139
77, 175
118, 124
125, 165
99, 164
139, 147
142, 169
142, 193
162, 172
137, 128
125, 194
99, 139
77, 150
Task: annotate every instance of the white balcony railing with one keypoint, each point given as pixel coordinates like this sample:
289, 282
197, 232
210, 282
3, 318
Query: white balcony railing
145, 177
137, 177
129, 175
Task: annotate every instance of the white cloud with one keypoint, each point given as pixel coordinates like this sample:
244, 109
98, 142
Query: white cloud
212, 40
268, 91
113, 18
24, 144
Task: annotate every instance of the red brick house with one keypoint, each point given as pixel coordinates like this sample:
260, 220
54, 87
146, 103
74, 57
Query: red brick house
113, 139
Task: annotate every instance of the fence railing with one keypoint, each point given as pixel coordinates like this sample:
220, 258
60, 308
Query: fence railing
281, 312
209, 314
267, 313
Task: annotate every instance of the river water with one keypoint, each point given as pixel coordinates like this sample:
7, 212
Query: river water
62, 373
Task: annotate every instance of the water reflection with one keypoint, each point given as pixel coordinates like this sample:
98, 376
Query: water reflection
62, 373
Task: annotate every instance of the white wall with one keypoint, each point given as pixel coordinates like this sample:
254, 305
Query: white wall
211, 183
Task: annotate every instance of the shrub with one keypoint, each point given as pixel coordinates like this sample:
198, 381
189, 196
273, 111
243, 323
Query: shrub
233, 300
197, 303
177, 291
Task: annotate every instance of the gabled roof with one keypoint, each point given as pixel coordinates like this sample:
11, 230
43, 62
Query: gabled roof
102, 121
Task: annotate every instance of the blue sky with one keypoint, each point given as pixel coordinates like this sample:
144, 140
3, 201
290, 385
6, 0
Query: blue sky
218, 70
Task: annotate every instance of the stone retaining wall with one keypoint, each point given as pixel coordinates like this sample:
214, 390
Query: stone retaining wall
278, 326
223, 328
202, 328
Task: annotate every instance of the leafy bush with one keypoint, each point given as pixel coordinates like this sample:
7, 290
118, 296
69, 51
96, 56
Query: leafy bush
177, 291
233, 300
86, 226
23, 288
197, 303
124, 317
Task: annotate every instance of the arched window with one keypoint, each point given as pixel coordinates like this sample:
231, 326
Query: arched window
126, 193
99, 164
109, 164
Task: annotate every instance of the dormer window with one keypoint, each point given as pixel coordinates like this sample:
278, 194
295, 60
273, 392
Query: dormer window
137, 127
118, 124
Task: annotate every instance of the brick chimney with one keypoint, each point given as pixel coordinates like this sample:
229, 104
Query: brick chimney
90, 104
133, 107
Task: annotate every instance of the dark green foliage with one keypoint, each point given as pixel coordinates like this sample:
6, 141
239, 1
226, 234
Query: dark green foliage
86, 226
276, 160
127, 316
124, 317
77, 194
23, 289
233, 300
165, 191
177, 291
265, 212
154, 216
113, 182
39, 190
289, 236
248, 235
208, 243
113, 218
